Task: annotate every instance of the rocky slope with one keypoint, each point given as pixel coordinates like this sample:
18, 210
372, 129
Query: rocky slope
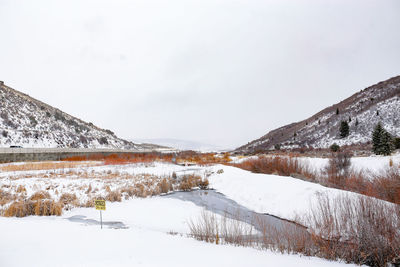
362, 111
27, 122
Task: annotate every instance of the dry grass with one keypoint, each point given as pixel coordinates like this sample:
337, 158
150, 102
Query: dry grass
40, 195
21, 189
188, 182
114, 196
37, 166
38, 208
68, 199
112, 185
165, 186
181, 157
6, 197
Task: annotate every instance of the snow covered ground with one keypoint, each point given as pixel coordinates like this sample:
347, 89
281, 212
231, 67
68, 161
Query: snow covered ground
56, 241
373, 164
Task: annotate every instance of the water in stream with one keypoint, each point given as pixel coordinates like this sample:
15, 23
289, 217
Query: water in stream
220, 204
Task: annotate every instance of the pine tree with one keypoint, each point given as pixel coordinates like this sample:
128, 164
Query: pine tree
376, 138
386, 144
382, 141
396, 143
344, 129
337, 111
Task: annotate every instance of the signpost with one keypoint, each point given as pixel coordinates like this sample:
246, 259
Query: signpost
100, 205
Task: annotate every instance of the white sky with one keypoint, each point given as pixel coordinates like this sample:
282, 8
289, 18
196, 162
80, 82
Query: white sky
222, 72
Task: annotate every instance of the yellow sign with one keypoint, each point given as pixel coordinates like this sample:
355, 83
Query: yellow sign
100, 204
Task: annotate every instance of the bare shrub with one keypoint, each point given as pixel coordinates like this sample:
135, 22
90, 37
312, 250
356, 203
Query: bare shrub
283, 166
128, 190
6, 197
188, 182
38, 208
284, 238
89, 189
338, 168
68, 199
165, 186
211, 229
360, 230
48, 208
114, 196
40, 195
204, 184
139, 190
88, 204
387, 185
103, 140
21, 189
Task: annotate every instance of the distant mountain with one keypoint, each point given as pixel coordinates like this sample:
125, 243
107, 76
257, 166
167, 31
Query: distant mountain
362, 111
181, 144
27, 122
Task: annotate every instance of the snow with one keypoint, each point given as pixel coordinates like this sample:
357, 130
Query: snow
373, 164
30, 123
56, 241
285, 197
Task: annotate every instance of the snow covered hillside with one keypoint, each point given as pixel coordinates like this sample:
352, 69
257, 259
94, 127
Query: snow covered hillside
362, 111
27, 122
181, 144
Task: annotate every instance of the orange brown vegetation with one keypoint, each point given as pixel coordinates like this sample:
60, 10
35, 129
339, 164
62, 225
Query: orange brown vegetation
38, 208
114, 196
36, 166
284, 166
130, 158
68, 198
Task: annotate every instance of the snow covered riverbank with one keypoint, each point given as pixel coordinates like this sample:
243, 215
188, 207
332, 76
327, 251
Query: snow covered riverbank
55, 241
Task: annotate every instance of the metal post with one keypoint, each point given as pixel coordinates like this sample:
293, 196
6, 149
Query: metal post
101, 221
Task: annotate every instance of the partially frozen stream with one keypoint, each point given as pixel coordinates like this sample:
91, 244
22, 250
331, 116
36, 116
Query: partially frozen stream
82, 219
220, 204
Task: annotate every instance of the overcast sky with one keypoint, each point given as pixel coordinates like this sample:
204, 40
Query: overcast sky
222, 72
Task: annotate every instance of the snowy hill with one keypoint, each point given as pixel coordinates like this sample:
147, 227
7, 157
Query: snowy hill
362, 111
180, 144
27, 122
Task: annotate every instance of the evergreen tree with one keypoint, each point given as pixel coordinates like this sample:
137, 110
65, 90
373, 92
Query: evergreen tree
382, 141
335, 147
337, 111
396, 143
344, 129
386, 144
376, 138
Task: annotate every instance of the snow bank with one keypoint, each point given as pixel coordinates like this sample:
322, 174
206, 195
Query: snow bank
281, 196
